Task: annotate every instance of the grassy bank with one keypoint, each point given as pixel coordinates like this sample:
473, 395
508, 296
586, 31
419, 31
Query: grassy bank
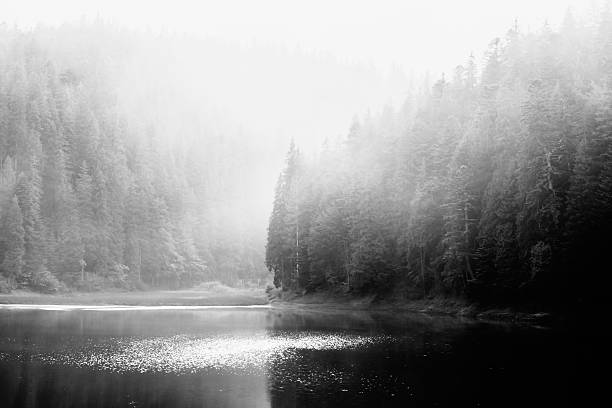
214, 295
220, 295
433, 306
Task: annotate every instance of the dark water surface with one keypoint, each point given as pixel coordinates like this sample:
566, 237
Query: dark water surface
261, 357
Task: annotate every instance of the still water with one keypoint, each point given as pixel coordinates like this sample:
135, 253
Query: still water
262, 357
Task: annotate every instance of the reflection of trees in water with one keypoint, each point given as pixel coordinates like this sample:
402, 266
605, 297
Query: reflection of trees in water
348, 377
23, 396
423, 361
408, 353
44, 326
32, 384
34, 344
363, 321
312, 358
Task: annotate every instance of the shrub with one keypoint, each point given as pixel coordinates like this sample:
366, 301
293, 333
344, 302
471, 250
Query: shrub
44, 281
541, 259
5, 287
118, 275
213, 286
92, 283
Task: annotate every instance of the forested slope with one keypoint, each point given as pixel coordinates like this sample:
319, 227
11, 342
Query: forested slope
495, 184
93, 194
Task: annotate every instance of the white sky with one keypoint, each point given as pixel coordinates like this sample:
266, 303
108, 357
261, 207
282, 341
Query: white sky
432, 35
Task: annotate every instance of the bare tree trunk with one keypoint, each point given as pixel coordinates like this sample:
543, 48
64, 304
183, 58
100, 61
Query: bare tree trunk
549, 173
422, 257
282, 274
297, 238
82, 263
468, 264
297, 252
346, 266
466, 234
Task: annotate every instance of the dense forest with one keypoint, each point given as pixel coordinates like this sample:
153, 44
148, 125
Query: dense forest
137, 158
92, 194
494, 184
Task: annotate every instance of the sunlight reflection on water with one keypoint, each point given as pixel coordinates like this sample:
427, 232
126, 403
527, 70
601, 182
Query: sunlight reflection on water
183, 354
262, 357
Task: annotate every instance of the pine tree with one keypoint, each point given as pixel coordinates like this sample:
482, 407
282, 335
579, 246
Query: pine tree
13, 243
497, 187
85, 215
28, 194
282, 252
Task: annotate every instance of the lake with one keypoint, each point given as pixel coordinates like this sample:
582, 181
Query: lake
75, 356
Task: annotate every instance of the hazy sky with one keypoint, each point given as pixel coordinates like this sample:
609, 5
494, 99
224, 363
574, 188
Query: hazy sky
276, 95
430, 35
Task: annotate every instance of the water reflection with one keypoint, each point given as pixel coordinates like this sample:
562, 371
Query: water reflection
182, 354
266, 357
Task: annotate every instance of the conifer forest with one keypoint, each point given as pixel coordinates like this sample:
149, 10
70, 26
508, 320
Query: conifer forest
92, 194
493, 184
289, 203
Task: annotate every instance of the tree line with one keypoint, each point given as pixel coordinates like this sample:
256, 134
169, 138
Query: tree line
91, 197
494, 184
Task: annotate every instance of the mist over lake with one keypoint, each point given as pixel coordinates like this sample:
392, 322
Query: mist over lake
277, 203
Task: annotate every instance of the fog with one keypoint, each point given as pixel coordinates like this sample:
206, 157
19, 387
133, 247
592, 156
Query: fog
283, 203
420, 35
291, 69
232, 83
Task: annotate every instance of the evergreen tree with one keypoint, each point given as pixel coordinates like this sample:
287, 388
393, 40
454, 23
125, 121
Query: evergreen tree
13, 243
28, 194
497, 188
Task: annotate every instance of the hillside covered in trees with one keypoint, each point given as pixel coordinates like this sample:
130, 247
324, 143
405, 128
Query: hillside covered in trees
142, 158
92, 194
495, 184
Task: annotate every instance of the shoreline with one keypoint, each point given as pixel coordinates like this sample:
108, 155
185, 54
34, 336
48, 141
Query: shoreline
433, 307
226, 297
216, 296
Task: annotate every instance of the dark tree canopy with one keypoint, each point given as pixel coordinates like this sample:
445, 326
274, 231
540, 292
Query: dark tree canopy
496, 186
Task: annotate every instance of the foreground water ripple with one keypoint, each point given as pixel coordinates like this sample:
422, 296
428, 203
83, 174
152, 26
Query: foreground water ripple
262, 357
178, 354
